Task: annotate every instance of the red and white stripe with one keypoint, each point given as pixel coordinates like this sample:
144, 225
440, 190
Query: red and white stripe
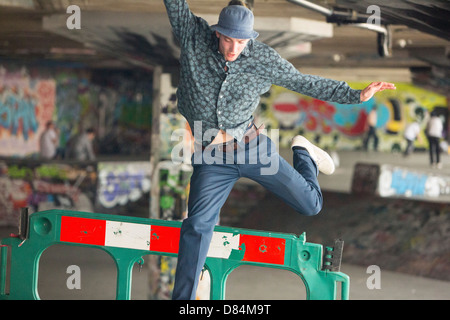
165, 239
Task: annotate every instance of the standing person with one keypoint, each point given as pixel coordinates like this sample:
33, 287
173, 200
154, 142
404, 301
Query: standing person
434, 131
49, 141
79, 147
371, 127
410, 134
223, 72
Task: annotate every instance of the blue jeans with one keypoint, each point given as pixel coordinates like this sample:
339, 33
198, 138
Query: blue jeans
214, 174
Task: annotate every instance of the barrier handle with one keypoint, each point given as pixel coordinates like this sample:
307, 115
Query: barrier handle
3, 262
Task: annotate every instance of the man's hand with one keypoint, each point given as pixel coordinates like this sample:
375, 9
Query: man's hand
375, 87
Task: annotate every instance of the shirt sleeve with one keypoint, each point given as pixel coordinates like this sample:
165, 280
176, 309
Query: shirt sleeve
182, 20
285, 75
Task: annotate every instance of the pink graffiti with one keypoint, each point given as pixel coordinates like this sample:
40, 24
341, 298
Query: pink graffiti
319, 114
319, 117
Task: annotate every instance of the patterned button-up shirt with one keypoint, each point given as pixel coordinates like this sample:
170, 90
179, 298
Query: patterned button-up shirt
223, 95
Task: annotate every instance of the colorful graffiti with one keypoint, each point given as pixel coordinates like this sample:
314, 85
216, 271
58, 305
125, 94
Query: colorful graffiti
106, 187
122, 185
72, 98
26, 103
117, 104
402, 182
339, 126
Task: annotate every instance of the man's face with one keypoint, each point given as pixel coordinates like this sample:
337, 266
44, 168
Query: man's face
231, 48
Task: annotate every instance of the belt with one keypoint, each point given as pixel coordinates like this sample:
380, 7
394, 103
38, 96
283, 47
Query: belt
231, 145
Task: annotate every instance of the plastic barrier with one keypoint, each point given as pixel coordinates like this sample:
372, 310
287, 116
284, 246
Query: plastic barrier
128, 239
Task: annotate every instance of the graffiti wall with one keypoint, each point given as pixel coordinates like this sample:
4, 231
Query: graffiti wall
26, 104
116, 103
123, 188
337, 126
122, 101
42, 186
401, 182
103, 187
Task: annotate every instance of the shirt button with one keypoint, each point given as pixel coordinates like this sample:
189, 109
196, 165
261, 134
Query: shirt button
220, 97
219, 112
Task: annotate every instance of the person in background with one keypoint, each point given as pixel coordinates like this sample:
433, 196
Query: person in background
411, 133
434, 131
48, 142
371, 127
79, 147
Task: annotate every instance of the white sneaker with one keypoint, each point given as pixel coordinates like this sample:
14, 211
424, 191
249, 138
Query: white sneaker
323, 160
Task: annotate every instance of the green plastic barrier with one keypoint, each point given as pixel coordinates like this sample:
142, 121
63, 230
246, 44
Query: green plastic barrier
128, 239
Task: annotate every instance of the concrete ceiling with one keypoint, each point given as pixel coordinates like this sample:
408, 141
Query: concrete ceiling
119, 34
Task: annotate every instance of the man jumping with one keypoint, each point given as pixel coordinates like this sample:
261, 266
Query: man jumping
223, 73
